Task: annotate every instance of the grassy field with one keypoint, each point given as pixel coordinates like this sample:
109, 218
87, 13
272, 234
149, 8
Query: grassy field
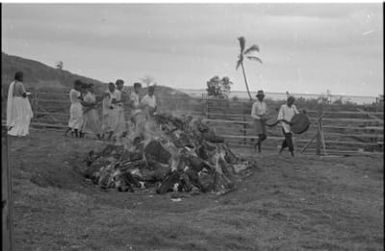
302, 203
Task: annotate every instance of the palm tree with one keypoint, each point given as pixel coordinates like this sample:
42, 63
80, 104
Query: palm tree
246, 53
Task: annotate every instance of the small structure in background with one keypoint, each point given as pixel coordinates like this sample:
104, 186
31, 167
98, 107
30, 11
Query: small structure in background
59, 65
326, 99
329, 96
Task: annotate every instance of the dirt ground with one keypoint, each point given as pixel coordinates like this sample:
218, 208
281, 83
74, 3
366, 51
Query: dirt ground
301, 203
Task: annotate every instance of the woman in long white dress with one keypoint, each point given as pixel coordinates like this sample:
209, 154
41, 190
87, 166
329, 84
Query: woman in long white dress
76, 110
19, 111
91, 124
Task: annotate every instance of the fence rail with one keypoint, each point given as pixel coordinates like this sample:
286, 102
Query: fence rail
353, 130
343, 129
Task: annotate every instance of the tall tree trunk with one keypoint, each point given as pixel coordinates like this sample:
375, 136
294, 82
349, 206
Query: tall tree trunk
244, 76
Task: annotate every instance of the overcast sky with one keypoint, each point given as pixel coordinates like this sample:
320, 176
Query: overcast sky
305, 48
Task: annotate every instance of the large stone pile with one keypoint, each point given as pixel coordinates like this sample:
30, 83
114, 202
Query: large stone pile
168, 154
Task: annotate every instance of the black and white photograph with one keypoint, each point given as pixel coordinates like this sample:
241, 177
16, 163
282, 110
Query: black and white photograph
192, 125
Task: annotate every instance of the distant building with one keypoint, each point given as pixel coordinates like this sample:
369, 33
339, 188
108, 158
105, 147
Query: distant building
380, 99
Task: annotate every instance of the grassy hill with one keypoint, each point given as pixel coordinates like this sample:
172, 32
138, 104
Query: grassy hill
45, 78
54, 84
38, 75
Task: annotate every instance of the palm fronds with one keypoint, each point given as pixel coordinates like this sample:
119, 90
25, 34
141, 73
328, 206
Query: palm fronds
255, 58
252, 48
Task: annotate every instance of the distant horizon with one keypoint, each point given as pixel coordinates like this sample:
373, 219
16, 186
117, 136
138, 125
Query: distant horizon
242, 94
202, 89
284, 92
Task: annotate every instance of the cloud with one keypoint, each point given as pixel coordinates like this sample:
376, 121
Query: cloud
314, 10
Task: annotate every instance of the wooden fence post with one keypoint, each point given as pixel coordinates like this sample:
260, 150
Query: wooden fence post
318, 137
207, 107
203, 101
322, 136
244, 124
318, 143
6, 195
244, 130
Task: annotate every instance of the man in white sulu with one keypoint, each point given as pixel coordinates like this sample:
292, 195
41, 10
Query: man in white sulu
258, 113
110, 111
149, 101
135, 102
19, 111
121, 128
285, 114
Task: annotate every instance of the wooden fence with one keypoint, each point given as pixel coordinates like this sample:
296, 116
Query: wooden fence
6, 194
51, 110
349, 130
353, 131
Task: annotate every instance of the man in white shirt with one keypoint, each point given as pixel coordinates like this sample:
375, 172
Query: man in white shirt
258, 113
110, 110
149, 101
120, 129
135, 101
286, 113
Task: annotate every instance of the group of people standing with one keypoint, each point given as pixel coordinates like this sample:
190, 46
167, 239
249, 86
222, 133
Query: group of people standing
115, 102
84, 116
285, 115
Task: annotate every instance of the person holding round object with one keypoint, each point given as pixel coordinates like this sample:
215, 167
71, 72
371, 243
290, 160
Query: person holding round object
300, 123
19, 111
258, 113
272, 118
285, 116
